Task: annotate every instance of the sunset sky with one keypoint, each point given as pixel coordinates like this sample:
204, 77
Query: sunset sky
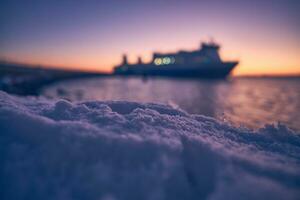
264, 35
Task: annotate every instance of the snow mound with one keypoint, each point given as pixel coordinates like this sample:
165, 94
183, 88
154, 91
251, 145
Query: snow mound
124, 150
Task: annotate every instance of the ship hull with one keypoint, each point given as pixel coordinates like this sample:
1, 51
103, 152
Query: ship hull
204, 71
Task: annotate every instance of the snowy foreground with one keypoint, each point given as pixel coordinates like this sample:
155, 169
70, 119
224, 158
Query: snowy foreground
124, 150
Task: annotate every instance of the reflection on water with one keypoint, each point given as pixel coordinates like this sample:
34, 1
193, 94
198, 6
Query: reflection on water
250, 102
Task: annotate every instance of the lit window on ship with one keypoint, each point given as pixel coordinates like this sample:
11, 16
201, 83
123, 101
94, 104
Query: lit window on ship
164, 61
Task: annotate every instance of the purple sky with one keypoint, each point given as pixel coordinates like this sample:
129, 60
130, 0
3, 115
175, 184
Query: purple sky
92, 35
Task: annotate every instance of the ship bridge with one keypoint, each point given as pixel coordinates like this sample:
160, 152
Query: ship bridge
208, 52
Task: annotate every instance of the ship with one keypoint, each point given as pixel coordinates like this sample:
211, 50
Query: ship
204, 62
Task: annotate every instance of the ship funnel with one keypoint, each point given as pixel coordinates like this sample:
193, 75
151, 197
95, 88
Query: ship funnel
124, 60
140, 60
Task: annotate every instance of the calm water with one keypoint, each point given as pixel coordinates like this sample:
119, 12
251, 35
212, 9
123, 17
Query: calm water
250, 102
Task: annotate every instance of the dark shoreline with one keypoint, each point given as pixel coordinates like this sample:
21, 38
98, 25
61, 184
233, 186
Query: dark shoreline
28, 80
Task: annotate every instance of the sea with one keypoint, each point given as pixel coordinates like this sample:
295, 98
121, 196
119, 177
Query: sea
240, 101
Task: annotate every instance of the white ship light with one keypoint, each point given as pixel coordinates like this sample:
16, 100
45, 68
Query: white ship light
172, 60
157, 61
166, 60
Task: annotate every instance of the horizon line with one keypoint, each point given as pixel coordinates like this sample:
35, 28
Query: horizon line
78, 69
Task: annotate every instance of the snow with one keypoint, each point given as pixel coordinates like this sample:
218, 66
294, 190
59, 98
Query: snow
125, 150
